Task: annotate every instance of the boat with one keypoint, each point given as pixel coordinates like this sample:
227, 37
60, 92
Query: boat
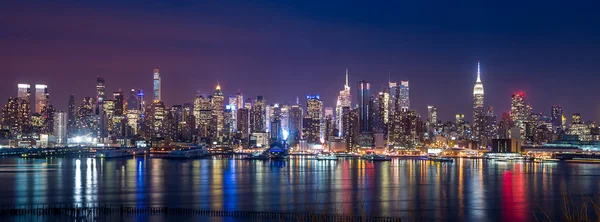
119, 152
347, 155
440, 159
376, 157
584, 160
187, 153
326, 156
257, 156
546, 160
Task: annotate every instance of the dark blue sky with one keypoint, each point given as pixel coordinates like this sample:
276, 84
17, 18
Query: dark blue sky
283, 49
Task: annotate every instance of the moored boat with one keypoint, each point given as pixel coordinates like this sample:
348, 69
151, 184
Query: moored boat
440, 159
187, 153
326, 156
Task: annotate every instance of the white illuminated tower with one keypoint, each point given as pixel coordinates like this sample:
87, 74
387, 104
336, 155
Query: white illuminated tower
157, 95
404, 95
478, 110
41, 97
344, 100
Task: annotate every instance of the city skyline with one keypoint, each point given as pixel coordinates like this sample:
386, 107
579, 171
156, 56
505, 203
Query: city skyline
304, 59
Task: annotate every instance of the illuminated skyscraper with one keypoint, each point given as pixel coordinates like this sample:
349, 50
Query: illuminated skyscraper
327, 127
518, 111
431, 120
203, 114
133, 112
313, 119
285, 118
233, 107
10, 116
243, 123
41, 97
576, 118
295, 125
24, 110
24, 92
157, 92
100, 90
556, 117
218, 106
119, 103
257, 122
344, 100
60, 127
478, 110
364, 101
72, 116
404, 95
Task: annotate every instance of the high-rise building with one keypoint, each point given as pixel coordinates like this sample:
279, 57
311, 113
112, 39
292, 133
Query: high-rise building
233, 106
576, 118
133, 112
41, 97
72, 116
24, 110
518, 111
157, 87
343, 100
60, 127
239, 100
285, 118
100, 90
431, 120
491, 126
218, 106
258, 123
203, 115
351, 127
478, 109
295, 126
364, 101
119, 99
394, 93
10, 116
24, 91
556, 117
243, 123
313, 119
404, 95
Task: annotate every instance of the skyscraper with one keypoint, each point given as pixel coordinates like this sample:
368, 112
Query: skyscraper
518, 111
364, 100
258, 123
556, 117
24, 110
100, 90
343, 100
72, 116
404, 95
60, 127
118, 97
431, 120
478, 112
233, 106
295, 126
133, 112
243, 123
218, 107
41, 97
313, 119
157, 92
10, 116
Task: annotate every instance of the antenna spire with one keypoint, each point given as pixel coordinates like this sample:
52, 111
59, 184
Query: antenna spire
478, 72
347, 77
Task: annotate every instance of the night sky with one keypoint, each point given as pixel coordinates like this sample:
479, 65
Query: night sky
547, 49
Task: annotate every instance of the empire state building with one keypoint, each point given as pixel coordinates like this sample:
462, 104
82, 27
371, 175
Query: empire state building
478, 112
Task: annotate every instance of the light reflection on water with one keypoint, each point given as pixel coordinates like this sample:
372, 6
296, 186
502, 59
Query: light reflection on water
464, 190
